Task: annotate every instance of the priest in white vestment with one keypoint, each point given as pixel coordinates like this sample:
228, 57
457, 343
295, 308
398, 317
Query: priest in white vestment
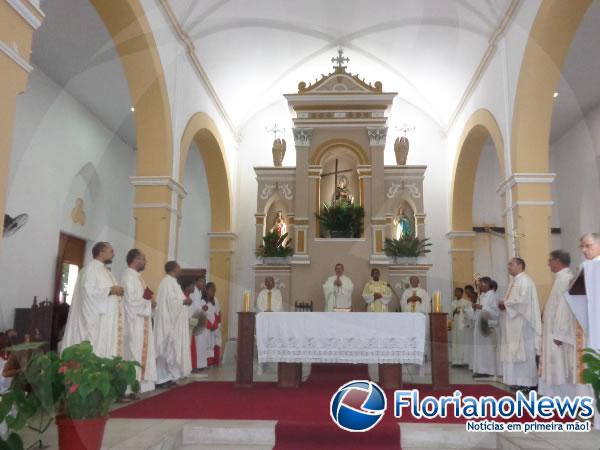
200, 334
484, 331
415, 298
171, 328
96, 313
269, 298
338, 291
558, 363
138, 302
470, 295
461, 328
377, 293
522, 334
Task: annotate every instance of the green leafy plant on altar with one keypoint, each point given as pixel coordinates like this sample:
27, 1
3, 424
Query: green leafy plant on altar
341, 219
591, 374
78, 385
408, 247
275, 246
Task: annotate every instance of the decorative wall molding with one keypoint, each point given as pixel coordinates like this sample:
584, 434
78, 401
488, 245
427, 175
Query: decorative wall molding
16, 57
518, 203
525, 178
31, 12
165, 180
460, 250
302, 136
395, 188
222, 235
155, 206
284, 189
460, 234
377, 135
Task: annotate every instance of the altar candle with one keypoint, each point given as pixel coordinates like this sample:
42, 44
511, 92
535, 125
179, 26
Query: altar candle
246, 306
437, 301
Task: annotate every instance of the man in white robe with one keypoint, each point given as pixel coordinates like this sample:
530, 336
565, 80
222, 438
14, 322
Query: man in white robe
415, 298
171, 328
213, 324
522, 334
269, 298
201, 337
338, 291
558, 361
471, 296
484, 331
461, 328
96, 312
138, 302
377, 293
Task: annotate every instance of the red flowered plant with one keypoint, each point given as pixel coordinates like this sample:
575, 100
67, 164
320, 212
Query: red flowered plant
78, 384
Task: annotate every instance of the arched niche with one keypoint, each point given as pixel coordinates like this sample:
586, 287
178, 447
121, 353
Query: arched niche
339, 163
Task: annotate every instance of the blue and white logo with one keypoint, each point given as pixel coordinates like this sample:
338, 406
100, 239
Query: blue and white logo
358, 405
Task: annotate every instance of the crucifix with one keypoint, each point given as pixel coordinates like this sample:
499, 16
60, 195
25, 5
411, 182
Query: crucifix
340, 60
336, 172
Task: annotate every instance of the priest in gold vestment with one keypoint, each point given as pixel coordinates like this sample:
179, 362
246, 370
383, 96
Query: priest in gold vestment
377, 293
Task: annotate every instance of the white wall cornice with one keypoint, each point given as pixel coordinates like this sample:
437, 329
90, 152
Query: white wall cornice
526, 178
535, 203
222, 235
460, 234
30, 12
16, 57
170, 182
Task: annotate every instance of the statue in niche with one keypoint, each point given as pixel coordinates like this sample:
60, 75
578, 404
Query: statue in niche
341, 190
403, 225
279, 224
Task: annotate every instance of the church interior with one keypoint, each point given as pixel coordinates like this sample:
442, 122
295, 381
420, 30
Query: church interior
193, 131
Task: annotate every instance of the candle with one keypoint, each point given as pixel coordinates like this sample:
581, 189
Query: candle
246, 306
437, 301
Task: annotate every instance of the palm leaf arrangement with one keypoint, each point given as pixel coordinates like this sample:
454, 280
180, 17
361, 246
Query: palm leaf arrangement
341, 219
410, 246
591, 374
275, 246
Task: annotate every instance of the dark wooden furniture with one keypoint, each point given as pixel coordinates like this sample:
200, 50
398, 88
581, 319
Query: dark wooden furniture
289, 375
390, 376
440, 370
245, 349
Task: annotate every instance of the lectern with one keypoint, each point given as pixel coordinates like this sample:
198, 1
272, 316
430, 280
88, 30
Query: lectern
245, 349
440, 371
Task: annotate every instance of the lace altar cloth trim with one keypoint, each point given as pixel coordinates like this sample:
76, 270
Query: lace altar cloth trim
372, 338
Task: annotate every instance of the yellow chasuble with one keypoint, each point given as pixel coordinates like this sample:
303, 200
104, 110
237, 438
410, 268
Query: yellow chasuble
377, 287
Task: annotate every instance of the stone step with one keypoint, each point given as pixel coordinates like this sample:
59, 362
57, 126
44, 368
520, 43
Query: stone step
239, 433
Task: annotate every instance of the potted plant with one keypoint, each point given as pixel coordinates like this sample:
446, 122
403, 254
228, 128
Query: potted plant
591, 374
406, 249
341, 219
78, 388
275, 249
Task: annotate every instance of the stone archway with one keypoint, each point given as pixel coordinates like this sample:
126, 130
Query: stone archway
202, 130
480, 127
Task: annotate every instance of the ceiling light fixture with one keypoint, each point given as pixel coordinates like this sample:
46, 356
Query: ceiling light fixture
555, 95
132, 109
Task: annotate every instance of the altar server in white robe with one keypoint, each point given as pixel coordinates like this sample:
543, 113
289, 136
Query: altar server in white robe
96, 312
461, 328
484, 331
269, 298
522, 334
213, 324
377, 293
171, 328
499, 328
338, 290
201, 335
558, 365
138, 302
590, 272
471, 296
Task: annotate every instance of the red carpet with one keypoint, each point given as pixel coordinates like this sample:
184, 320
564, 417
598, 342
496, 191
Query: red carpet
302, 414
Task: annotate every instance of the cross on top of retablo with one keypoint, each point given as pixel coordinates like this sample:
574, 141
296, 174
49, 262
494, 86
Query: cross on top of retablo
340, 60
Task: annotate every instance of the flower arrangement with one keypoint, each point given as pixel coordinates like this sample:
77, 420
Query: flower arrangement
275, 246
341, 219
78, 385
409, 246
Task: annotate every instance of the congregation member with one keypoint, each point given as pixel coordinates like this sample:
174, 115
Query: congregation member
522, 333
338, 291
461, 328
377, 293
558, 362
486, 314
96, 312
269, 298
171, 328
213, 324
138, 303
200, 335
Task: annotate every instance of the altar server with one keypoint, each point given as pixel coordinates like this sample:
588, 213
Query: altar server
484, 331
461, 328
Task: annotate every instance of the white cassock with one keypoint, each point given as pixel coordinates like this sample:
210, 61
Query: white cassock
95, 315
461, 329
213, 323
499, 331
338, 296
522, 333
171, 332
275, 304
558, 364
423, 307
484, 347
139, 339
588, 307
202, 340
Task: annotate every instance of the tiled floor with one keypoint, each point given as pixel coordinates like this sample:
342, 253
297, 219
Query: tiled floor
243, 435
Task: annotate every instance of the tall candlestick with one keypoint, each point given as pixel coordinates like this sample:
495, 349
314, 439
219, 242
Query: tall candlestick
246, 305
437, 301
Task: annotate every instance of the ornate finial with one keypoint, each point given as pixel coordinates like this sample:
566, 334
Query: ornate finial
275, 130
340, 60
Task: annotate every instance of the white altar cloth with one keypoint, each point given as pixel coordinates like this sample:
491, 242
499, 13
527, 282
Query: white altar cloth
337, 337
